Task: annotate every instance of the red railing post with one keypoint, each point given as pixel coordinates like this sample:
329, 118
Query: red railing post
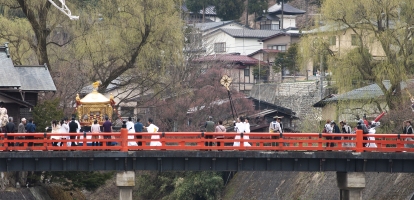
45, 141
400, 143
84, 142
124, 137
359, 141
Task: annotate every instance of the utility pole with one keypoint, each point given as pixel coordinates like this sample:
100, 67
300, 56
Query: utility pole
247, 13
281, 27
321, 76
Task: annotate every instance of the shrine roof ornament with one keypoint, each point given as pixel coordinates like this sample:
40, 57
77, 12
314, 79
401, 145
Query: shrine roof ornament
95, 97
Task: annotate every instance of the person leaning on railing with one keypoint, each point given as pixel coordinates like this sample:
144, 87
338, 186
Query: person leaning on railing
10, 128
275, 127
21, 129
30, 128
95, 128
408, 129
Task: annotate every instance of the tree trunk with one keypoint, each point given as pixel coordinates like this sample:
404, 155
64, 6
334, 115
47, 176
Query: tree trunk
40, 29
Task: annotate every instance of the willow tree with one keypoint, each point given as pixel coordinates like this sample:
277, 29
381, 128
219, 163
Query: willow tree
375, 43
28, 26
132, 43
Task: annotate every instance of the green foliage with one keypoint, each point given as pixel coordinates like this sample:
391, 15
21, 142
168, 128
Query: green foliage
375, 34
264, 72
180, 185
198, 185
287, 60
45, 112
346, 71
257, 6
80, 180
312, 122
229, 9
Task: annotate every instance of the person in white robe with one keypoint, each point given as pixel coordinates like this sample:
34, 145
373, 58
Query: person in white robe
151, 128
64, 128
55, 129
131, 129
242, 127
372, 131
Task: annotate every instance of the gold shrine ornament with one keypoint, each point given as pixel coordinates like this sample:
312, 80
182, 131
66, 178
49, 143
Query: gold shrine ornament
226, 81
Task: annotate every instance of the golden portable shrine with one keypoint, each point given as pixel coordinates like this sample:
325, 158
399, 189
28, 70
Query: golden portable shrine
94, 106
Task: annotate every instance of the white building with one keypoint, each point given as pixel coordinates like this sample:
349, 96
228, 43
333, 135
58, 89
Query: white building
228, 40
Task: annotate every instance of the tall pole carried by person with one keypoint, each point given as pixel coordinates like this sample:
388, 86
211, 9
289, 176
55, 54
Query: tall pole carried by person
226, 81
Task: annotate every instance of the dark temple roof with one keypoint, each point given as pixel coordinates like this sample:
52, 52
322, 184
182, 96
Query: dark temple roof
25, 78
35, 78
287, 10
8, 75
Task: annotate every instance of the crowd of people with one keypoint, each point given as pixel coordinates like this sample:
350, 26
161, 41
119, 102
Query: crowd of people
60, 130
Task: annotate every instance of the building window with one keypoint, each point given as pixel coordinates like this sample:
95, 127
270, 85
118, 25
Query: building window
220, 47
332, 41
247, 72
278, 47
354, 40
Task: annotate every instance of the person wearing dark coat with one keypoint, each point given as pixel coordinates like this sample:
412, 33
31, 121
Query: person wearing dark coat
335, 129
10, 128
73, 126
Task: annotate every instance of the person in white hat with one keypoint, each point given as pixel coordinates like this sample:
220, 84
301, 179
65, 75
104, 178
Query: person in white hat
275, 127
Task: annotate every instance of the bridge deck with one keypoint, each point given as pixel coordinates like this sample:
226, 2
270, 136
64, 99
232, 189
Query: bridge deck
200, 151
207, 161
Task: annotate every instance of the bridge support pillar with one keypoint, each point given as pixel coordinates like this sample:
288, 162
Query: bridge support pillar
125, 181
350, 185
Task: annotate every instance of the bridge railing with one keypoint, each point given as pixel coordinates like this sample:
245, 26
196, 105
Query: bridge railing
124, 141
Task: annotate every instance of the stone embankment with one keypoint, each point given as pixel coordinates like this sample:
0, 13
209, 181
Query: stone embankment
298, 96
314, 185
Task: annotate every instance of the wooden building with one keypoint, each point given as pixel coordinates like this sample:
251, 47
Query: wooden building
21, 85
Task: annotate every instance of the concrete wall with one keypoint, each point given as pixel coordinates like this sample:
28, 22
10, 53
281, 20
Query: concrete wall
233, 45
344, 43
248, 45
217, 38
280, 40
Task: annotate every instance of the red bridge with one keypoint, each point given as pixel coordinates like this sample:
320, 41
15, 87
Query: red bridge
196, 141
190, 151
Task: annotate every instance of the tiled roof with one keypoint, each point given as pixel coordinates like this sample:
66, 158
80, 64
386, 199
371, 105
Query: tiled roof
8, 75
281, 33
368, 92
287, 10
26, 78
35, 78
272, 17
210, 10
264, 51
212, 25
250, 33
230, 58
